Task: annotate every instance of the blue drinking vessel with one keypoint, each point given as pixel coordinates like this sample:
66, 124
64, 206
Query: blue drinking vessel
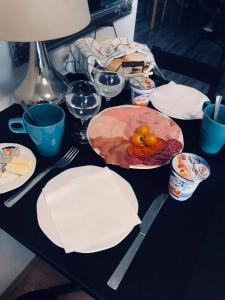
47, 137
212, 135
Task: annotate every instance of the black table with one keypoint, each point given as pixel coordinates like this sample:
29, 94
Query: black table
177, 256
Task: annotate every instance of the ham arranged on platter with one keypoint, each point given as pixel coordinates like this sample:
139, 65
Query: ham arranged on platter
110, 131
109, 126
134, 116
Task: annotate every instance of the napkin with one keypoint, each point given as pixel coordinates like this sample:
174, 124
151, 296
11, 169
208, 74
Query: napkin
178, 101
89, 210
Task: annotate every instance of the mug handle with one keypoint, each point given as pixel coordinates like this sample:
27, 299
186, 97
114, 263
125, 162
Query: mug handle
205, 104
15, 129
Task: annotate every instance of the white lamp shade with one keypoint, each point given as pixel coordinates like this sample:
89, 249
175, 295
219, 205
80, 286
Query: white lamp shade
40, 20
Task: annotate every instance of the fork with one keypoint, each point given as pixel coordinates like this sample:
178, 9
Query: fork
61, 163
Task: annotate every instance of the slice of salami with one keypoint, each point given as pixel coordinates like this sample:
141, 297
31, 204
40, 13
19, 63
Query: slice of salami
132, 160
173, 146
152, 161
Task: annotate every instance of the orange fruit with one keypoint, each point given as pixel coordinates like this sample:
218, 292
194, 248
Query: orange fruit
143, 129
137, 139
150, 139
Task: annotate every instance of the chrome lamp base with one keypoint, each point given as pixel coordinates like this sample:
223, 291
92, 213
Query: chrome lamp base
42, 83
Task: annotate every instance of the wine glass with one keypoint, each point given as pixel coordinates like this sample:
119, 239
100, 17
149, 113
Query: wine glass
83, 103
108, 84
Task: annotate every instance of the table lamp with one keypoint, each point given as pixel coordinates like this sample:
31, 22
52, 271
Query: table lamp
36, 21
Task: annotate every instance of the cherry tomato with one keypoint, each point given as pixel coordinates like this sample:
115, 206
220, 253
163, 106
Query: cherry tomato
137, 139
143, 129
150, 139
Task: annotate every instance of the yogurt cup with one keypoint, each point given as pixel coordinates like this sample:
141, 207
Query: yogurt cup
187, 171
141, 88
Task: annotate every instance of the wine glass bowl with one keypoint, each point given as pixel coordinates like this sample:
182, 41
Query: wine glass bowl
83, 103
108, 84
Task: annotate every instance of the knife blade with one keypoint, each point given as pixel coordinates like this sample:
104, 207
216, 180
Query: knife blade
147, 221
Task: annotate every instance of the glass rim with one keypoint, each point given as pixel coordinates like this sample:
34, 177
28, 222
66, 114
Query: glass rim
109, 73
71, 84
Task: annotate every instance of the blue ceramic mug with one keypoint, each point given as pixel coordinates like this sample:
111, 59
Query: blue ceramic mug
48, 135
212, 136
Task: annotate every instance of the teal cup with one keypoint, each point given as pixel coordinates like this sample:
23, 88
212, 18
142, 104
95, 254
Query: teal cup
212, 135
47, 136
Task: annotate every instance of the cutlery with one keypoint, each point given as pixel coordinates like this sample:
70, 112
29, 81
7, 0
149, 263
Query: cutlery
32, 119
217, 107
147, 222
159, 73
61, 163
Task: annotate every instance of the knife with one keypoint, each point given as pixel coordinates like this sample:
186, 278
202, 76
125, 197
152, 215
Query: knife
147, 221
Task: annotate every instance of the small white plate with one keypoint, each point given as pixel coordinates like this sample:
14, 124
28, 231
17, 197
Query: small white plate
178, 101
10, 181
44, 216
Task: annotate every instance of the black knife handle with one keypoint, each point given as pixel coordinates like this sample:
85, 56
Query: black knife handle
126, 64
120, 271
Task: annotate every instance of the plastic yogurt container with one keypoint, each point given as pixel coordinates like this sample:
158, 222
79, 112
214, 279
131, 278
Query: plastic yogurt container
141, 88
187, 171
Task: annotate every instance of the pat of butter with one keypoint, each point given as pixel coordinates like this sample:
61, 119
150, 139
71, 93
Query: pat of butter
22, 161
17, 169
19, 165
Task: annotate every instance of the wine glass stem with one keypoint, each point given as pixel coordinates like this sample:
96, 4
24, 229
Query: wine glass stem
107, 102
83, 132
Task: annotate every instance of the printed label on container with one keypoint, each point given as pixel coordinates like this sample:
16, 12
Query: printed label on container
191, 166
179, 188
188, 170
140, 98
142, 83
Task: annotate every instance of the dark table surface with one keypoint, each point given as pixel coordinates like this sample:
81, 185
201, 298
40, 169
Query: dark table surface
183, 255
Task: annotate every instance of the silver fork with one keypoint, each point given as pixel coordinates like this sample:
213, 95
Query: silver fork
61, 163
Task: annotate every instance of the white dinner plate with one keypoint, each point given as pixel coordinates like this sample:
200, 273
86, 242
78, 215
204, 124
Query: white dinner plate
10, 181
179, 101
139, 166
44, 215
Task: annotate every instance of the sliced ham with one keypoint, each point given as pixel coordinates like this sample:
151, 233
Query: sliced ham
123, 121
122, 113
117, 155
114, 150
104, 144
161, 126
108, 126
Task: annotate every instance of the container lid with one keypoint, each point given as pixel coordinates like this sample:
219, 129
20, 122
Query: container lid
142, 83
191, 167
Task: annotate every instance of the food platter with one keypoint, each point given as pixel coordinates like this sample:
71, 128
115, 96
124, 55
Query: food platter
111, 129
9, 181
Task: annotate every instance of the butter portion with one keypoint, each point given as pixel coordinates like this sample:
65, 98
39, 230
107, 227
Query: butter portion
17, 169
22, 161
19, 165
